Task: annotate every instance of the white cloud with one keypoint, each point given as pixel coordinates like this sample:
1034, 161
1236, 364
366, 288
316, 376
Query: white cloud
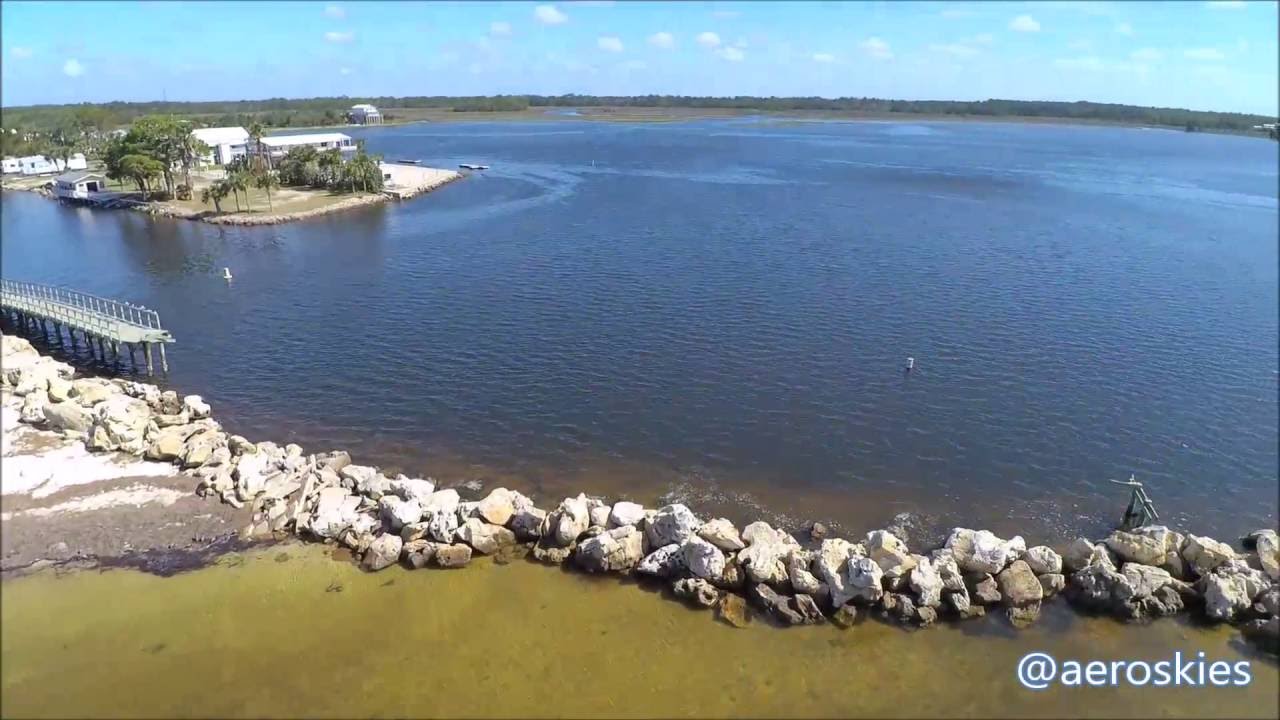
725, 14
662, 40
1203, 54
609, 43
955, 50
335, 11
1146, 55
824, 58
72, 68
20, 53
339, 37
499, 28
549, 15
1087, 62
1226, 5
1124, 28
708, 40
1024, 23
732, 54
876, 48
344, 71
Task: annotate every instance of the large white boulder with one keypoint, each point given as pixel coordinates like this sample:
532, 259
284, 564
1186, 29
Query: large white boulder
625, 512
925, 582
415, 489
1268, 546
703, 559
567, 522
890, 553
617, 550
195, 406
671, 524
485, 537
1144, 549
335, 512
497, 507
721, 533
397, 513
981, 551
67, 416
667, 561
1042, 559
1204, 554
383, 552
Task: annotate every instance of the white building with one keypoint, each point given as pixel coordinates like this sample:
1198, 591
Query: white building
225, 143
279, 145
78, 185
11, 165
38, 165
76, 162
365, 114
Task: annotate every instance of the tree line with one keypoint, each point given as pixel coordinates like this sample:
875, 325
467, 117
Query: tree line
284, 112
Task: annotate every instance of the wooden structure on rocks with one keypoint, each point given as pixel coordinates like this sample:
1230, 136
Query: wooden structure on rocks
36, 307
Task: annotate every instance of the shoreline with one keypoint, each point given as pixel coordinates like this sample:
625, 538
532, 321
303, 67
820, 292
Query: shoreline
789, 576
431, 179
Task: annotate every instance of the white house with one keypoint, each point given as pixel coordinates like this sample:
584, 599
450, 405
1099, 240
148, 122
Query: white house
78, 185
38, 165
279, 145
11, 165
225, 143
365, 114
41, 165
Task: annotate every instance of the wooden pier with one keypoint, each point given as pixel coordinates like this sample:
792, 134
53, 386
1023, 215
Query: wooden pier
37, 308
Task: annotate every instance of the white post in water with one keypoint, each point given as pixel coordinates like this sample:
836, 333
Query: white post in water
911, 363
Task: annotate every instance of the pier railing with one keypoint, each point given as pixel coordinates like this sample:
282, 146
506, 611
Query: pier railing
106, 320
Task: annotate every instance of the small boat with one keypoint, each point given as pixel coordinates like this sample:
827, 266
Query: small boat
469, 166
406, 162
226, 273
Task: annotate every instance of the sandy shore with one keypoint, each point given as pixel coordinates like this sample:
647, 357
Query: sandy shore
61, 503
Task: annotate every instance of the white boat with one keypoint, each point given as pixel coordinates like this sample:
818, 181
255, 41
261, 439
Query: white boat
469, 166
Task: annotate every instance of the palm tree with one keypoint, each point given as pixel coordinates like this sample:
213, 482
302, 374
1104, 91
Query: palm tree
216, 192
256, 131
267, 180
241, 181
190, 150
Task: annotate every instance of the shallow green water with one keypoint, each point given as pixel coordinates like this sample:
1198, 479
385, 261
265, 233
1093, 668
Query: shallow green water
273, 635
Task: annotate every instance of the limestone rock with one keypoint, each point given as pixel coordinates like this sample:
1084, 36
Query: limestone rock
1019, 586
764, 561
441, 501
697, 591
1204, 554
1225, 596
667, 561
817, 531
781, 607
845, 616
418, 553
497, 507
761, 532
889, 553
926, 583
733, 609
721, 533
415, 489
383, 552
1043, 560
625, 513
67, 416
944, 563
702, 558
671, 524
1078, 554
1052, 583
200, 448
1268, 546
984, 590
551, 554
59, 390
1264, 633
397, 513
452, 556
833, 566
568, 521
982, 552
195, 406
251, 474
1136, 547
89, 392
1142, 582
802, 580
32, 411
335, 511
527, 523
599, 516
442, 525
616, 550
1020, 616
486, 538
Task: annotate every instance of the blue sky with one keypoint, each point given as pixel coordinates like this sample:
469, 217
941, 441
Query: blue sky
1202, 55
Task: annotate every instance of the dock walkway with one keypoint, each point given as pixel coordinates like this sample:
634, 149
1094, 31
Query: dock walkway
35, 307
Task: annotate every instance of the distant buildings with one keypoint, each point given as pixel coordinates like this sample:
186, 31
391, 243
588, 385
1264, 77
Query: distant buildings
279, 145
225, 143
41, 165
365, 114
78, 185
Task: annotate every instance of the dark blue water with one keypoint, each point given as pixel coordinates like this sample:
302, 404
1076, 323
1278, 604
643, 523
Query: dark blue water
724, 309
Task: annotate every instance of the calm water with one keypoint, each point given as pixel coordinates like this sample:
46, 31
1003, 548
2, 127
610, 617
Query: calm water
722, 310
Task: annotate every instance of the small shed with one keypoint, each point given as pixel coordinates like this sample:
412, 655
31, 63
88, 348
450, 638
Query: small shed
78, 185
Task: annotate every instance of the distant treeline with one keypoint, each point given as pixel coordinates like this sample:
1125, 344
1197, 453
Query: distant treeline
282, 112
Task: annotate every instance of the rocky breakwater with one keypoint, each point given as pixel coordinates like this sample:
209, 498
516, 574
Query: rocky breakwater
792, 580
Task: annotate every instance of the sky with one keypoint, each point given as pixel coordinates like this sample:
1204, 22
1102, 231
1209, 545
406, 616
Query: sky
1199, 55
